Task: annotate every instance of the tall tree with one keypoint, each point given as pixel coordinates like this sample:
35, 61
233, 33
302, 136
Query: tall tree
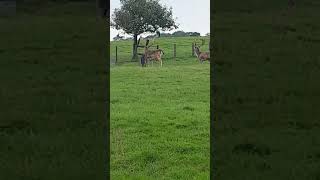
139, 16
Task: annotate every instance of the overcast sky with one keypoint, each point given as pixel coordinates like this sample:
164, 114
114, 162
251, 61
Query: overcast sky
192, 15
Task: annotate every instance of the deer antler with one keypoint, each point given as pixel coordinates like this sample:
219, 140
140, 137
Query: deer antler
152, 42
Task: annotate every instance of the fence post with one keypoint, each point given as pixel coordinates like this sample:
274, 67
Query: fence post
192, 49
116, 54
174, 51
132, 51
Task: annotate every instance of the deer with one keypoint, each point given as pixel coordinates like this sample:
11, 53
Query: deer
150, 55
202, 56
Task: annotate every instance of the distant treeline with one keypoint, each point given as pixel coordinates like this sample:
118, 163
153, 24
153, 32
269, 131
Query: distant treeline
175, 34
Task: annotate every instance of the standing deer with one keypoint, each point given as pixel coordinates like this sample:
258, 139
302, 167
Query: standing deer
202, 56
150, 55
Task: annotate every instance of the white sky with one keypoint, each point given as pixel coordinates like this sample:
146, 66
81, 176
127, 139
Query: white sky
192, 15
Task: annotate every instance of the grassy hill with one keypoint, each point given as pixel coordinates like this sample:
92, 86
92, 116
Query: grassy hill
160, 116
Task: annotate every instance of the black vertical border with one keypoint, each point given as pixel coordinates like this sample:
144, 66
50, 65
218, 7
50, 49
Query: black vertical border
212, 90
296, 114
105, 7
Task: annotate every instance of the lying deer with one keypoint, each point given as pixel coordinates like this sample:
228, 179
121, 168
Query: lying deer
202, 56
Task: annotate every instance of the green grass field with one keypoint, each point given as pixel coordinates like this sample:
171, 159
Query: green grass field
266, 73
160, 116
52, 93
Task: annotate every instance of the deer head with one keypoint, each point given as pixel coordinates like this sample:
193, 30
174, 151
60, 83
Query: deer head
202, 56
197, 45
152, 54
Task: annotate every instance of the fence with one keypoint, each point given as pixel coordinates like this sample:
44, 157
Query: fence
121, 52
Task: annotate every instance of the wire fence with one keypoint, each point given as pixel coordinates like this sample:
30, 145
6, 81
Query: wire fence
122, 53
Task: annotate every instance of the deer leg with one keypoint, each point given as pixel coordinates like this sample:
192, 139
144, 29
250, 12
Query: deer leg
161, 63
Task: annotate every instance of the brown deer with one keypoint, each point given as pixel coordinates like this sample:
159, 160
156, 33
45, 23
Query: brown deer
202, 56
150, 55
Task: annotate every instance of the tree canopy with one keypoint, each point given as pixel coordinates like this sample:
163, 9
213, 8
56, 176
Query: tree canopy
139, 16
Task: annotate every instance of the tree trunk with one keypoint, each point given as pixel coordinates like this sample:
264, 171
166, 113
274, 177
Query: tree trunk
135, 48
